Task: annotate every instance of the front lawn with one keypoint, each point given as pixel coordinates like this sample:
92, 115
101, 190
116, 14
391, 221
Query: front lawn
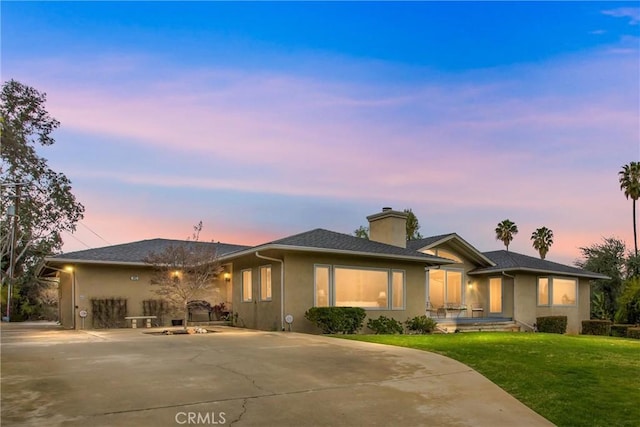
570, 380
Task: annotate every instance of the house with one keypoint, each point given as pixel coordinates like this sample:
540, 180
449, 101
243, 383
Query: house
270, 286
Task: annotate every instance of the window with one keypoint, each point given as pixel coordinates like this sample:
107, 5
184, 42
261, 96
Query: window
265, 283
445, 287
356, 287
397, 289
543, 291
372, 288
564, 291
557, 291
322, 273
443, 253
246, 286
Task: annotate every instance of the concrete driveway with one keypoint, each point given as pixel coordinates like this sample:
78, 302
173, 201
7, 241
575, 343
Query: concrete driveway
237, 377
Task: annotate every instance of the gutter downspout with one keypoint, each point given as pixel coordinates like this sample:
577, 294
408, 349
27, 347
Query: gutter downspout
281, 285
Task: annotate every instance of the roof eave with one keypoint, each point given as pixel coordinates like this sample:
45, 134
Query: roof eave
479, 255
431, 260
586, 275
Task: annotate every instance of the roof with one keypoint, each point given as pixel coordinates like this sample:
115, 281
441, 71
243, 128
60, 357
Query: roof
133, 253
321, 240
456, 242
513, 261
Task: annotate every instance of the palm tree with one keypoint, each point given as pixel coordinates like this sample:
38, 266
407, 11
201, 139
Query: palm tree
505, 232
630, 184
542, 240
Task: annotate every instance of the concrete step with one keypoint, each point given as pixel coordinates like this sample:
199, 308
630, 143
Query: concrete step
479, 327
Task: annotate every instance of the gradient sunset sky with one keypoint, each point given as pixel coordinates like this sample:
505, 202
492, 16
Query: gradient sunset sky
268, 119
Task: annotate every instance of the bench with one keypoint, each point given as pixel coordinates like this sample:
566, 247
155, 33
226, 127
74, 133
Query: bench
134, 320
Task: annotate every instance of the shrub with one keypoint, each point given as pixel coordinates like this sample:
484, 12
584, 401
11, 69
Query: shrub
334, 320
421, 324
633, 333
385, 325
596, 327
552, 324
620, 330
629, 303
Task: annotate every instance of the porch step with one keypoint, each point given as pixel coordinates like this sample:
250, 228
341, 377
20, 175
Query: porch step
451, 327
210, 323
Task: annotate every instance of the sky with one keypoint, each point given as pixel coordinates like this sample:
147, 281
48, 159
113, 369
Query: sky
264, 120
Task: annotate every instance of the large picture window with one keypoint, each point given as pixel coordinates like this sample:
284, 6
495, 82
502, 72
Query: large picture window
557, 291
247, 287
369, 288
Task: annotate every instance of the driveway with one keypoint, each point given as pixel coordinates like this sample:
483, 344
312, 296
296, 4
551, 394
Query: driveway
127, 377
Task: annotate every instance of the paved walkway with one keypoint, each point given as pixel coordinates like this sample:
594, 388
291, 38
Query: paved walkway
237, 377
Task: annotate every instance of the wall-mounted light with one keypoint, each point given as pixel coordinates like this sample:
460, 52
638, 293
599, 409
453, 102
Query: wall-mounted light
227, 277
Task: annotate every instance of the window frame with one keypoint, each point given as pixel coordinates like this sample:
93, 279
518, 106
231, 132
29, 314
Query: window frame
550, 291
270, 289
331, 297
244, 286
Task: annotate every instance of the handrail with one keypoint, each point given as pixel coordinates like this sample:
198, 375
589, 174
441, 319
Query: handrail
531, 327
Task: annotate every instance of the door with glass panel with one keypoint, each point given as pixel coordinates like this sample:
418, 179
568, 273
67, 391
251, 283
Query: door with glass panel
495, 295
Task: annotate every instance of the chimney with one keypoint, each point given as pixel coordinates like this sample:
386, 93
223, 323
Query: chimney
388, 227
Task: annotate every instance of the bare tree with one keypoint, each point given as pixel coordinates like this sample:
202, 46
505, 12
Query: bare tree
184, 271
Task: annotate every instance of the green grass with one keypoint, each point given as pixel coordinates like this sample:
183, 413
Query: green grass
570, 380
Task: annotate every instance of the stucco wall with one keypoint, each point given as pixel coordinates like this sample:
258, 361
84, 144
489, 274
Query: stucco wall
100, 281
299, 289
527, 309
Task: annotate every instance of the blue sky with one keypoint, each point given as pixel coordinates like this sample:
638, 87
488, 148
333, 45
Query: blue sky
268, 119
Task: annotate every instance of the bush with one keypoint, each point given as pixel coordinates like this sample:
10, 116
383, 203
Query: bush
552, 324
633, 333
421, 324
620, 330
596, 327
385, 325
629, 303
334, 320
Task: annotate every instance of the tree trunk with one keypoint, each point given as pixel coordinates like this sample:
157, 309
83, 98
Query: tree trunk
635, 232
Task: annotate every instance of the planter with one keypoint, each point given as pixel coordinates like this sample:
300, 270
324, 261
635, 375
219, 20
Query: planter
177, 322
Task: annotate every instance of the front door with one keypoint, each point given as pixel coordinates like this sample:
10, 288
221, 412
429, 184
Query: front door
495, 295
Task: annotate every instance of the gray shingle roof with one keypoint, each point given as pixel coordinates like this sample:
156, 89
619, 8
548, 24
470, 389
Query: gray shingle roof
339, 242
421, 243
513, 261
135, 252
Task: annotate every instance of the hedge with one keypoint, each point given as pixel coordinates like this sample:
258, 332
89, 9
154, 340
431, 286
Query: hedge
335, 320
596, 327
633, 333
421, 324
620, 330
552, 324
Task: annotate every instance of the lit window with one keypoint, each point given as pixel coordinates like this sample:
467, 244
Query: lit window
397, 289
495, 295
445, 287
356, 287
564, 291
557, 292
265, 283
247, 294
543, 291
322, 285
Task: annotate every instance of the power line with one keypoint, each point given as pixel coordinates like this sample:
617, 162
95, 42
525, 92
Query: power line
87, 227
70, 234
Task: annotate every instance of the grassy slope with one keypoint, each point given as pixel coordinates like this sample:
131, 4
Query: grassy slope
570, 380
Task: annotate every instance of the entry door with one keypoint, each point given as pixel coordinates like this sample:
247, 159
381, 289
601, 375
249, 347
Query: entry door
495, 295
